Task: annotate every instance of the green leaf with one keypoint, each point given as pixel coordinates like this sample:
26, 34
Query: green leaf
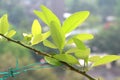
4, 25
79, 44
11, 33
57, 35
52, 61
66, 58
41, 16
74, 21
83, 54
50, 16
49, 44
106, 59
45, 35
72, 50
94, 58
82, 37
36, 39
39, 38
36, 28
27, 37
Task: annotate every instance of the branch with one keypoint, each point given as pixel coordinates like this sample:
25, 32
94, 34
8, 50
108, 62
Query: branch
28, 47
78, 71
45, 54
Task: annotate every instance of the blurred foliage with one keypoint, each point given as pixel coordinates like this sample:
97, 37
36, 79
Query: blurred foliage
70, 75
117, 11
80, 5
14, 49
10, 61
107, 41
117, 8
107, 7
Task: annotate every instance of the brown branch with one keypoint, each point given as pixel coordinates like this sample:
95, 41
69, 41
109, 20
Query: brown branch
78, 71
28, 47
45, 54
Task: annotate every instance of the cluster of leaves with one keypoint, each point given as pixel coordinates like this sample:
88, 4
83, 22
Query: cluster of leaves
4, 27
58, 32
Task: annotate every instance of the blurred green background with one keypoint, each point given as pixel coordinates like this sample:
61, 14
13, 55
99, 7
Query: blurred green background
103, 23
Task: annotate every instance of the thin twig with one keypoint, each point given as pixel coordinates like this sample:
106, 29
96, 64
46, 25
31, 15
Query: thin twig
78, 71
28, 47
45, 54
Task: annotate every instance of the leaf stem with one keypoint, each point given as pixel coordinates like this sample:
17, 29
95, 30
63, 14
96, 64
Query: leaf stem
45, 54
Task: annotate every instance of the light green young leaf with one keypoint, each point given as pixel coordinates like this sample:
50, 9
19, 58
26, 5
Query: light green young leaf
79, 44
45, 35
49, 44
36, 39
52, 61
36, 28
106, 59
74, 21
39, 38
83, 54
94, 58
82, 37
50, 16
11, 33
41, 16
4, 24
27, 37
57, 35
66, 58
